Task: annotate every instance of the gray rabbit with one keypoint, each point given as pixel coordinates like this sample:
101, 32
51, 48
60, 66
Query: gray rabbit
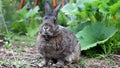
57, 45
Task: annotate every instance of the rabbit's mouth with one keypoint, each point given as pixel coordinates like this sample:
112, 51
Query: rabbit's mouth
46, 33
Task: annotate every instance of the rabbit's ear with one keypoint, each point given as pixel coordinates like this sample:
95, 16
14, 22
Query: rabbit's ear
56, 10
47, 8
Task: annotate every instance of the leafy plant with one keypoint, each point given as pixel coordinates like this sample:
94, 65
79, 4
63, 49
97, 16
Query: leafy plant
62, 19
114, 8
92, 35
75, 29
82, 18
26, 22
7, 45
106, 51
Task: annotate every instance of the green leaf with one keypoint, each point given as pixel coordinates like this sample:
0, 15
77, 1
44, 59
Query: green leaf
81, 3
22, 12
19, 27
7, 45
95, 34
32, 29
62, 19
75, 29
114, 8
32, 12
32, 32
73, 7
69, 8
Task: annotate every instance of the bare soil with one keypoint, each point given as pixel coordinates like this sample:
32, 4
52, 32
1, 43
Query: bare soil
25, 55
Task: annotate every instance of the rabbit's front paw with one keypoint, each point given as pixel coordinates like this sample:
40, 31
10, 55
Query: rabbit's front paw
42, 63
59, 64
50, 63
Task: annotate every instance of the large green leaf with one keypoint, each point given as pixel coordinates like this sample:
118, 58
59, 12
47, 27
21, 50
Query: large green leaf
81, 3
75, 29
69, 8
95, 34
73, 7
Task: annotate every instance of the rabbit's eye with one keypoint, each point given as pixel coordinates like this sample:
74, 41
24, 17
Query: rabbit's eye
46, 17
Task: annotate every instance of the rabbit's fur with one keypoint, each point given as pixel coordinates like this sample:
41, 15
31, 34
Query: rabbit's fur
56, 44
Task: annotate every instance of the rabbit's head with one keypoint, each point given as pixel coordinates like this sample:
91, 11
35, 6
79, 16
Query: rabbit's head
49, 25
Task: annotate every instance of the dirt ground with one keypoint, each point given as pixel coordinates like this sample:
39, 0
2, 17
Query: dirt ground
24, 55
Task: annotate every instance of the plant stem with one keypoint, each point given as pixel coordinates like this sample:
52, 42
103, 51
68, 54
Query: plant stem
3, 18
